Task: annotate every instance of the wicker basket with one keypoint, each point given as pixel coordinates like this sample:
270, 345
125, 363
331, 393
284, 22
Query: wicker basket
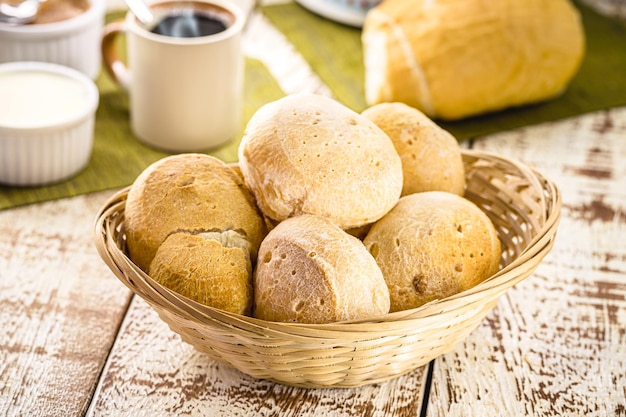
523, 205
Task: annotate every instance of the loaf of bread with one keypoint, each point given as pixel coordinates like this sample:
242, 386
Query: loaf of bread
311, 271
309, 154
432, 245
431, 156
457, 58
198, 216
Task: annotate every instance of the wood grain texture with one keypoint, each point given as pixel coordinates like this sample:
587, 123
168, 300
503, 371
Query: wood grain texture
60, 308
556, 343
151, 372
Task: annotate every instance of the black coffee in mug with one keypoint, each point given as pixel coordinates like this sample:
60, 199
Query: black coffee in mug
189, 24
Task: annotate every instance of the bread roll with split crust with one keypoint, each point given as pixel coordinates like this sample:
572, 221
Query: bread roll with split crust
311, 271
458, 58
309, 154
432, 245
431, 157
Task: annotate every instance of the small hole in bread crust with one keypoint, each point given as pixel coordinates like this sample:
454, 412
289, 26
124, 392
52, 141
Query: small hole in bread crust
312, 254
321, 301
294, 272
268, 257
186, 180
458, 267
373, 249
283, 256
419, 284
299, 306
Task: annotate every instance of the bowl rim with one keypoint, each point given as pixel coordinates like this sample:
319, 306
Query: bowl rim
339, 11
93, 95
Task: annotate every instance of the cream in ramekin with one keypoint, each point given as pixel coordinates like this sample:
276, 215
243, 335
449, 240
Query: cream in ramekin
73, 42
47, 119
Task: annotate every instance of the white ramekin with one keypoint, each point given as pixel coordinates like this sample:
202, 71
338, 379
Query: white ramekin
73, 42
46, 152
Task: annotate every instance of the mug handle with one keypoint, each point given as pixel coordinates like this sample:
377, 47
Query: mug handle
113, 64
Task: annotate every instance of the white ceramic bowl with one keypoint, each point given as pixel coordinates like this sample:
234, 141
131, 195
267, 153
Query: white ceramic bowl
47, 118
348, 12
74, 42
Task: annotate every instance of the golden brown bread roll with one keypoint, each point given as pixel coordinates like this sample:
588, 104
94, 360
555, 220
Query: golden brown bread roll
211, 268
311, 271
431, 157
309, 154
457, 58
432, 245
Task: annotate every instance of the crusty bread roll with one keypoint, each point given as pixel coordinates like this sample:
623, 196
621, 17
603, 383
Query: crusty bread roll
309, 154
311, 271
432, 245
190, 193
211, 268
431, 156
457, 58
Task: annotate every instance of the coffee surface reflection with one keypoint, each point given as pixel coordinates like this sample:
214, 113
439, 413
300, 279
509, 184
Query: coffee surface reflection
189, 24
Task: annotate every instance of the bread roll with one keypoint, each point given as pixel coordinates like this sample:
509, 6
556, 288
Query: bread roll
211, 268
309, 154
191, 193
311, 271
433, 245
431, 157
457, 58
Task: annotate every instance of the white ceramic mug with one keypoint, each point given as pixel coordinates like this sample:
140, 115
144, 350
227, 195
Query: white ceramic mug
185, 93
72, 42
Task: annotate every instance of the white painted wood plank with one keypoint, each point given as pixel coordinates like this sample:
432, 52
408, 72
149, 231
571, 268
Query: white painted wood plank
60, 308
556, 343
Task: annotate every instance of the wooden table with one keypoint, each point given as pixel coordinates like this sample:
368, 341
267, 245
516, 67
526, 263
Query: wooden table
73, 341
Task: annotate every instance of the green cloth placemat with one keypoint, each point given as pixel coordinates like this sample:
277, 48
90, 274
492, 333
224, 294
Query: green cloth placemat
118, 157
334, 52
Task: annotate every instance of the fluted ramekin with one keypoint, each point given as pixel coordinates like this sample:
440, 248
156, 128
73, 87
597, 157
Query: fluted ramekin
73, 42
44, 146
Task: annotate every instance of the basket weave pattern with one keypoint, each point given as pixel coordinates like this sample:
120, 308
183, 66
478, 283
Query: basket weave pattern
525, 209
